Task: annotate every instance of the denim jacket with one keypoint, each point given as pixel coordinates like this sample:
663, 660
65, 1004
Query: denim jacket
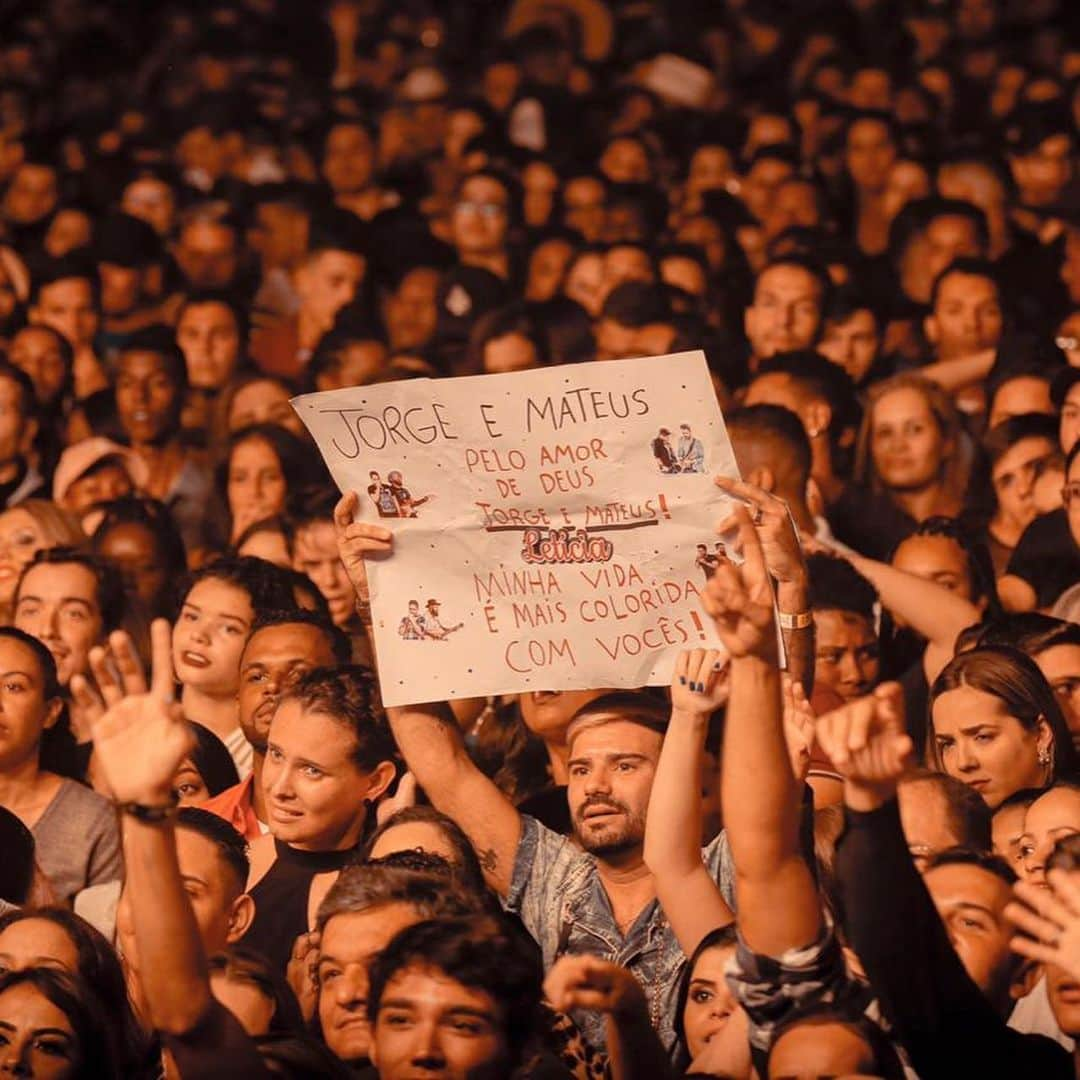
558, 895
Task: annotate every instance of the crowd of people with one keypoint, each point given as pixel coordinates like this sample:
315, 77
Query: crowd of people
855, 854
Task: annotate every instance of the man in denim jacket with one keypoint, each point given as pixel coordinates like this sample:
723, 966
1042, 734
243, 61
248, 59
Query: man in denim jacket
588, 894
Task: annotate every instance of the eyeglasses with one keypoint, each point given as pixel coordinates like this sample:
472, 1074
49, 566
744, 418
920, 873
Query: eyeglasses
484, 209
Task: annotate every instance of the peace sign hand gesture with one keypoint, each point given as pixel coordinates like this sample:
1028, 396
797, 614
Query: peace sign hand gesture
141, 738
739, 598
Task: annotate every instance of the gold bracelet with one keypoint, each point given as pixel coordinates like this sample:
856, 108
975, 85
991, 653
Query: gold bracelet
799, 621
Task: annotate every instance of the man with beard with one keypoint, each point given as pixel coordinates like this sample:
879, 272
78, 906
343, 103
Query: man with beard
589, 893
586, 893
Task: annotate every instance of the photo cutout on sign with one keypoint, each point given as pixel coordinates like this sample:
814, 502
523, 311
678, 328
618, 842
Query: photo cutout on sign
681, 453
392, 498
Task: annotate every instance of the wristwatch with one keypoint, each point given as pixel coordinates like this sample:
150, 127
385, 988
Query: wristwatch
151, 815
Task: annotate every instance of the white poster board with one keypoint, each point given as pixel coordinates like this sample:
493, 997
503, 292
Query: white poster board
552, 527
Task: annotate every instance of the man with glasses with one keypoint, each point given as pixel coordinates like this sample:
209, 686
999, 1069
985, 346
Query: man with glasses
480, 220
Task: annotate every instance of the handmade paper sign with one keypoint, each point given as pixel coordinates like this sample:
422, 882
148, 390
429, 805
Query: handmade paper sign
552, 527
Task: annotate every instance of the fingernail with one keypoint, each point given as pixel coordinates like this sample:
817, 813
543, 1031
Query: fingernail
682, 679
718, 666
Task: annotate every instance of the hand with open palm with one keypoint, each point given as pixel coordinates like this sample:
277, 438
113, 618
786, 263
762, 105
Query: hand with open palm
141, 737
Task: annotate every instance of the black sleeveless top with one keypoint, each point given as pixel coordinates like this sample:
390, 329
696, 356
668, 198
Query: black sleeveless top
281, 900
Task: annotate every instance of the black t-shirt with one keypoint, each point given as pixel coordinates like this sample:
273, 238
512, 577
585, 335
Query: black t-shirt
1047, 557
872, 524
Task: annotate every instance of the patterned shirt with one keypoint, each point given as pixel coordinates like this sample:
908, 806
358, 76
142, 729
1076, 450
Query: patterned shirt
557, 892
772, 989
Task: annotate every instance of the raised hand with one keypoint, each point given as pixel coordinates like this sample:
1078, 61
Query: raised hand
739, 598
799, 724
779, 540
699, 684
587, 982
1050, 920
141, 738
357, 540
302, 972
867, 743
404, 796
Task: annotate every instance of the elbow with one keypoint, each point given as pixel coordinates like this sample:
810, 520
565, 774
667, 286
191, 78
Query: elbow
183, 1015
667, 861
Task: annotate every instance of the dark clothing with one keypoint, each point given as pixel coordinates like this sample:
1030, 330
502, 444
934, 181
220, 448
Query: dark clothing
871, 524
281, 900
664, 455
217, 1047
940, 1017
1047, 557
550, 808
25, 484
916, 704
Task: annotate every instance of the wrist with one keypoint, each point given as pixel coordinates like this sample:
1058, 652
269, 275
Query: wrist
758, 669
151, 797
792, 597
690, 716
864, 798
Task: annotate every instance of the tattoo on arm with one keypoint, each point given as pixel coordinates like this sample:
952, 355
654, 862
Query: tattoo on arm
488, 860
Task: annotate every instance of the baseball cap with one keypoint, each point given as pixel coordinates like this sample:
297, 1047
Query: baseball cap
79, 458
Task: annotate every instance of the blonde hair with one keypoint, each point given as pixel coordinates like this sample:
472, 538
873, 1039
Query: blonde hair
59, 527
956, 466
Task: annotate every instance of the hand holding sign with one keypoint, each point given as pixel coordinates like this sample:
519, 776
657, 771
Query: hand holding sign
355, 539
536, 543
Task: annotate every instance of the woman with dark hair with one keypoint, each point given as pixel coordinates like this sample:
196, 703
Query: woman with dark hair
507, 339
218, 605
261, 466
256, 994
996, 725
706, 1011
17, 869
58, 939
207, 771
423, 828
52, 1026
74, 829
270, 539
